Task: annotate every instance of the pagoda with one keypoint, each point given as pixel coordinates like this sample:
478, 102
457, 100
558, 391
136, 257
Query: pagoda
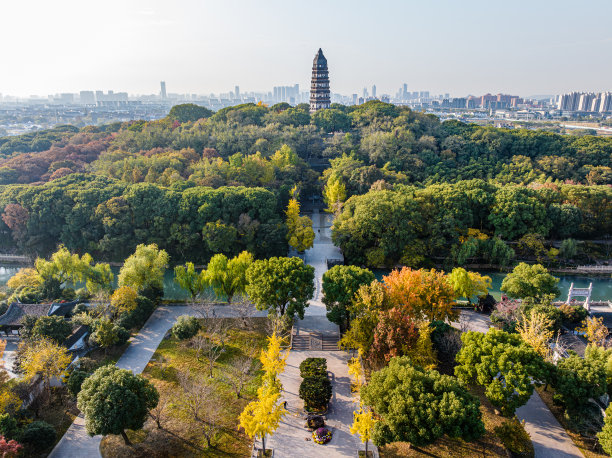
319, 86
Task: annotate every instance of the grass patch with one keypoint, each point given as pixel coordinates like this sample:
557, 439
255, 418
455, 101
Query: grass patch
181, 435
589, 446
488, 445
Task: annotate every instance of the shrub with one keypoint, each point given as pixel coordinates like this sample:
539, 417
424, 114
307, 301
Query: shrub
82, 294
311, 367
75, 380
315, 391
123, 335
605, 436
8, 426
515, 438
137, 317
38, 436
185, 327
573, 313
550, 311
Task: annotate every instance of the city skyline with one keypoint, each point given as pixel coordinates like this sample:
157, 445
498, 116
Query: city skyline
208, 47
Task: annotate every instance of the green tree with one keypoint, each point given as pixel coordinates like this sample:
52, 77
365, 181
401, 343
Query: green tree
227, 277
503, 364
469, 284
605, 436
530, 281
114, 400
577, 381
145, 268
340, 283
419, 406
334, 194
106, 334
187, 278
280, 285
55, 328
188, 112
185, 327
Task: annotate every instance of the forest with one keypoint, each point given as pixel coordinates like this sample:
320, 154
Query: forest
199, 183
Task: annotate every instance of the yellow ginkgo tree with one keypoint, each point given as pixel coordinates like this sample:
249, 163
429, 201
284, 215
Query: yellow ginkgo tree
363, 422
262, 416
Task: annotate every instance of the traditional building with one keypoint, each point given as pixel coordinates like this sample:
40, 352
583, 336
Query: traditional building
319, 87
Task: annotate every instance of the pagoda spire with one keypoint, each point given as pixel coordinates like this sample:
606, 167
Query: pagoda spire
319, 86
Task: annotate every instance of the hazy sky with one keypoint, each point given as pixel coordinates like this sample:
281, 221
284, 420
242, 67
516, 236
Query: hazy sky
201, 46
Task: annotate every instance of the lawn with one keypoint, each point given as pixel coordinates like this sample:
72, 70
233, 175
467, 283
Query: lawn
181, 434
588, 446
487, 445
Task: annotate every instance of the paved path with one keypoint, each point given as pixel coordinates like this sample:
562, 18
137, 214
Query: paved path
76, 443
548, 437
289, 440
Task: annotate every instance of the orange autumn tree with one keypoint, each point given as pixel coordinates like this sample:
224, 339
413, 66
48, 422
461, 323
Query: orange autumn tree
422, 294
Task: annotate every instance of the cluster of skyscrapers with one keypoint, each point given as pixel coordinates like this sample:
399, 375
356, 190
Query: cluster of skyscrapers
586, 102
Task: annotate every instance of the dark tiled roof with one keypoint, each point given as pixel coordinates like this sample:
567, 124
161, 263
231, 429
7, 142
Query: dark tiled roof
76, 335
16, 312
62, 309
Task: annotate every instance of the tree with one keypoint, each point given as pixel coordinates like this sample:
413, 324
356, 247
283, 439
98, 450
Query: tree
262, 416
189, 279
280, 285
530, 281
605, 436
300, 233
124, 300
226, 276
39, 435
185, 327
114, 400
577, 381
363, 423
503, 364
45, 357
106, 334
199, 400
334, 194
315, 391
240, 371
16, 218
419, 406
395, 335
340, 283
367, 306
469, 284
9, 448
188, 112
422, 294
26, 276
145, 268
595, 329
55, 328
536, 330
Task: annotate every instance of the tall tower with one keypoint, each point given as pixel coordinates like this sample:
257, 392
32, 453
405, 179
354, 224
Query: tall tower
162, 92
319, 86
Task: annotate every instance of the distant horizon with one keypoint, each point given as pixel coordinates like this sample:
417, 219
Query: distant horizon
203, 47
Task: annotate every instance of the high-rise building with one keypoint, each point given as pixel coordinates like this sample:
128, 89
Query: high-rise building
319, 86
365, 93
374, 90
237, 92
87, 98
162, 92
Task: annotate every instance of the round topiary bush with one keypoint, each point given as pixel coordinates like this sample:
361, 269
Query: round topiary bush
38, 436
316, 391
311, 367
185, 327
75, 380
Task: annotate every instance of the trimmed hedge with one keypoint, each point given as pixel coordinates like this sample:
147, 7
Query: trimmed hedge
315, 391
311, 367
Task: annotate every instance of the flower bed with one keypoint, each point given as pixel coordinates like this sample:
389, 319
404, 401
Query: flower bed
322, 436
